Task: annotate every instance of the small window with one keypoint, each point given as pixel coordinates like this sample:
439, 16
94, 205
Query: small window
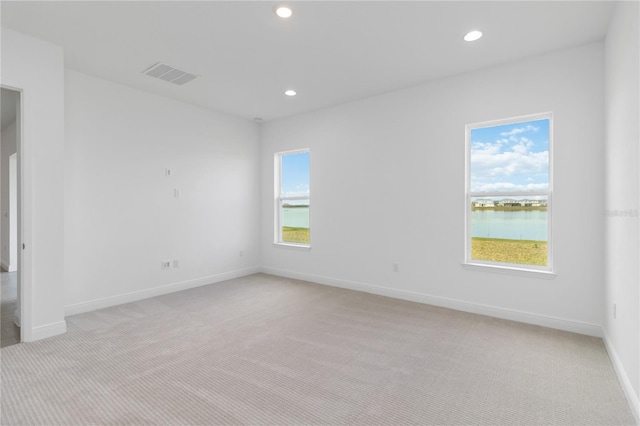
508, 203
293, 200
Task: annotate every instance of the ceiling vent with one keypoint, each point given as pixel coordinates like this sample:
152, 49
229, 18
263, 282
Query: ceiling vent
168, 73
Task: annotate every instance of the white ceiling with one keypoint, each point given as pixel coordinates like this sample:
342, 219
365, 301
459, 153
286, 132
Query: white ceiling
329, 52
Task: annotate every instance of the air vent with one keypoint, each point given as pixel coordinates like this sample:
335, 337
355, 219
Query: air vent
168, 73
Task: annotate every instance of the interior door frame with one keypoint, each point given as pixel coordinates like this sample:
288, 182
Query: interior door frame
23, 314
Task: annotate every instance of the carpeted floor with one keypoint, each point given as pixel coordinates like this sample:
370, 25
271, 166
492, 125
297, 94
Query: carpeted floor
264, 350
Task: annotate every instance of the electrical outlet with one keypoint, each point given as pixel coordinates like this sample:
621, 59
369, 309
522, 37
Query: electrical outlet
176, 263
396, 267
165, 264
176, 192
615, 311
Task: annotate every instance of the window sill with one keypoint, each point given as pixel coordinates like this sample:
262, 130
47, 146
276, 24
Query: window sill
532, 273
293, 246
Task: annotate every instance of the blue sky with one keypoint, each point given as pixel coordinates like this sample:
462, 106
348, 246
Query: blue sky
295, 175
510, 157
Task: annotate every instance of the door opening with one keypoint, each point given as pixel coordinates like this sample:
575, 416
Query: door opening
10, 291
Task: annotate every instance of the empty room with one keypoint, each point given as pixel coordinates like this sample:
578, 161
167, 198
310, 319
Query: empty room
320, 212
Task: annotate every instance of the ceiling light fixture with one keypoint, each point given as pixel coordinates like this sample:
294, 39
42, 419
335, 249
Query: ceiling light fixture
290, 93
473, 35
284, 12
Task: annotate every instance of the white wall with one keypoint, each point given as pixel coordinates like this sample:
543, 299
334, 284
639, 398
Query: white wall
121, 217
387, 186
622, 196
8, 189
36, 67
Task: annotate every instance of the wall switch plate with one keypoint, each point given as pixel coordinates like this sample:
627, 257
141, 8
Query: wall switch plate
396, 267
168, 172
176, 192
176, 263
165, 264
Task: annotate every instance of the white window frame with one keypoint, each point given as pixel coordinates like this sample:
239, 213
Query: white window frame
517, 268
279, 199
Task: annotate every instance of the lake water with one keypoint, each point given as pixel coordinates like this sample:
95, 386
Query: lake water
512, 225
297, 217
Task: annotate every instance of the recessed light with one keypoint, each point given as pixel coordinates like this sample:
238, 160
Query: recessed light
473, 35
290, 93
284, 12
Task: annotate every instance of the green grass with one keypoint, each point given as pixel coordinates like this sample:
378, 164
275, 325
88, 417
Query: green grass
526, 252
295, 235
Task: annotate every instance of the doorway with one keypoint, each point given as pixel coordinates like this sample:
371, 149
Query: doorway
9, 217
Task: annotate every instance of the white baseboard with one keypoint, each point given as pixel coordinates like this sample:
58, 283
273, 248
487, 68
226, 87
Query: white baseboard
492, 311
48, 330
120, 299
632, 398
8, 267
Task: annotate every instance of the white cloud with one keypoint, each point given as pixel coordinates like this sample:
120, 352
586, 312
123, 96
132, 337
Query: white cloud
300, 190
488, 160
517, 130
512, 187
508, 167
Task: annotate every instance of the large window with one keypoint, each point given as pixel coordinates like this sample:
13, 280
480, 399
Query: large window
508, 203
292, 198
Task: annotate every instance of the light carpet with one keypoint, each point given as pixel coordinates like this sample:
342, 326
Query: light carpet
265, 350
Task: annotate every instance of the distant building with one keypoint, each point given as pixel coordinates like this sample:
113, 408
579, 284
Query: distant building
534, 203
508, 202
483, 203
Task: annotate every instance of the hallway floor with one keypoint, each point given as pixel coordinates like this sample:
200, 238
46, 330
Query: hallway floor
9, 331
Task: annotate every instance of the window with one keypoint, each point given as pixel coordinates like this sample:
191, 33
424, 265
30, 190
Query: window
292, 198
508, 193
